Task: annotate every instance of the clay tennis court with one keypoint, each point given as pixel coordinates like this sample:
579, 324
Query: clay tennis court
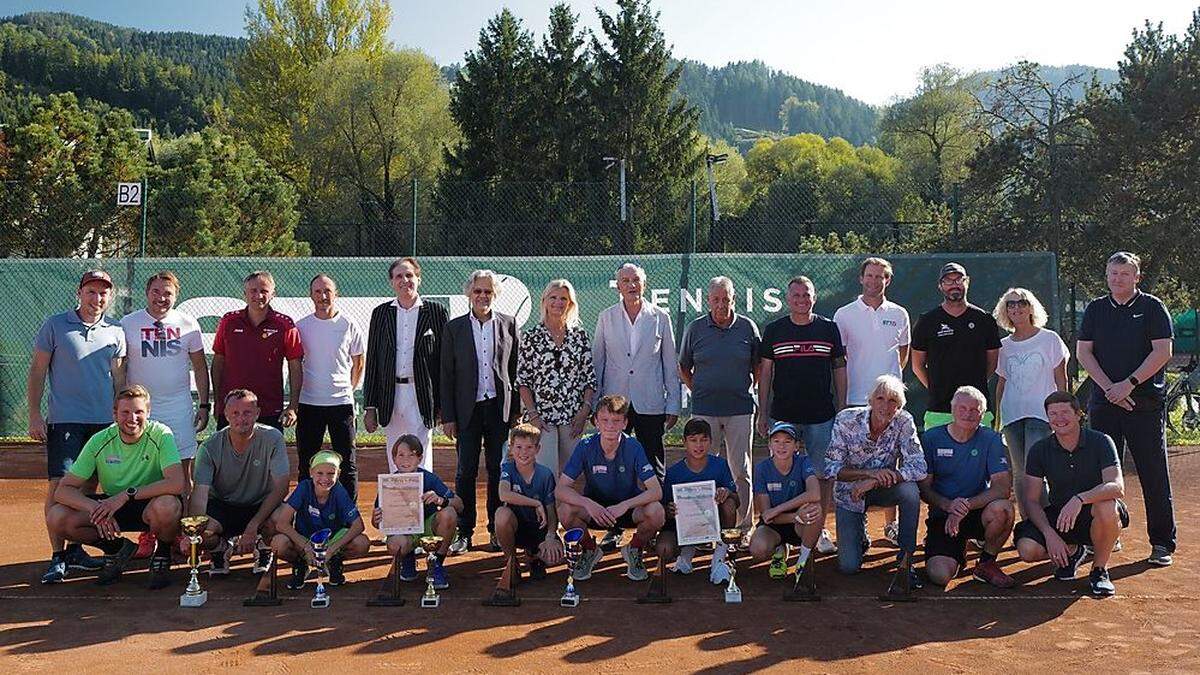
1152, 625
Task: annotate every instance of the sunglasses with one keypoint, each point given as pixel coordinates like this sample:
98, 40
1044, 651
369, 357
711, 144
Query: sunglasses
1016, 303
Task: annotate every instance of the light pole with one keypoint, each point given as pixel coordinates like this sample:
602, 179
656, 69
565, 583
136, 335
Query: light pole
709, 160
145, 135
609, 162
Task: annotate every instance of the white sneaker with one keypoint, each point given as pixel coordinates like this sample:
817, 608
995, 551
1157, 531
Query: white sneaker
891, 532
719, 573
683, 564
825, 545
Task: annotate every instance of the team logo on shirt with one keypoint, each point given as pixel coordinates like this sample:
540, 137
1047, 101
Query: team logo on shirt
971, 325
889, 322
600, 468
516, 488
268, 332
314, 511
112, 459
945, 331
974, 452
161, 340
621, 468
787, 350
774, 487
945, 452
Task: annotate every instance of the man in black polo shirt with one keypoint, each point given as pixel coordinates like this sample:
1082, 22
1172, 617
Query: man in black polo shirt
1124, 344
955, 344
1086, 487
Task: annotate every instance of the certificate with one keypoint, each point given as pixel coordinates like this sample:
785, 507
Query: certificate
696, 517
400, 501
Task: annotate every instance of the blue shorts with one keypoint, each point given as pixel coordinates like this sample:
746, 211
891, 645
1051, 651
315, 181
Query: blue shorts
64, 441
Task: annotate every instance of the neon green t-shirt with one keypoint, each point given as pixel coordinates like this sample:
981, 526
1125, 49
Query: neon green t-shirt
120, 466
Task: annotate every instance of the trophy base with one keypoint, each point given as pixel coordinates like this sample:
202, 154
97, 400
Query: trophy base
801, 596
385, 601
262, 600
733, 596
196, 600
569, 601
430, 602
502, 599
319, 603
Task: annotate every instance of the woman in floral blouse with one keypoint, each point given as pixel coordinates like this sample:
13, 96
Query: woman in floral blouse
556, 375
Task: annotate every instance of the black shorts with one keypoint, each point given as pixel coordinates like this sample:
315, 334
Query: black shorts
63, 443
129, 517
787, 533
232, 517
938, 543
625, 522
530, 536
1080, 535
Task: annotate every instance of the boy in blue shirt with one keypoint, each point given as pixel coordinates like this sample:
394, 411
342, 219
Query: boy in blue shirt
441, 508
528, 519
318, 502
609, 482
787, 496
696, 466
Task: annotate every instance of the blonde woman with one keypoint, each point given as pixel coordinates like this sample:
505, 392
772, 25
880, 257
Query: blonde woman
555, 374
1032, 365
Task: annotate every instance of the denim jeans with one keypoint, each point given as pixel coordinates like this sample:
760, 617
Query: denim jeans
1020, 436
850, 523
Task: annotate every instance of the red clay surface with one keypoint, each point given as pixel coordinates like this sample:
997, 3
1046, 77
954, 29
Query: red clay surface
1151, 626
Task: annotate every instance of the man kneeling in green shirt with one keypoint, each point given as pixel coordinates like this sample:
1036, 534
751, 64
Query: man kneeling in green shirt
137, 466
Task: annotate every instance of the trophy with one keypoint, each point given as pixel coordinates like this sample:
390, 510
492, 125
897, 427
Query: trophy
266, 592
505, 594
805, 587
389, 594
572, 550
320, 542
732, 538
900, 590
192, 527
656, 594
431, 544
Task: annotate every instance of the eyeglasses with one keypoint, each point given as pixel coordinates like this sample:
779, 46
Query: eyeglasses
1021, 302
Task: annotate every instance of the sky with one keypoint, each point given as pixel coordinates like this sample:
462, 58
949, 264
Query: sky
870, 49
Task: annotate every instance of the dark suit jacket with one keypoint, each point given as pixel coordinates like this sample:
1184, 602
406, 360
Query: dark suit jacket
379, 380
460, 369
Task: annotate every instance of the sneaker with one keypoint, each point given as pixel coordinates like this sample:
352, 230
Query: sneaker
635, 568
337, 573
57, 572
779, 566
1117, 545
160, 572
990, 572
866, 538
891, 533
408, 568
587, 563
299, 575
262, 560
145, 545
537, 569
1160, 556
440, 581
825, 544
914, 580
683, 564
78, 559
1067, 572
719, 573
978, 544
218, 561
460, 545
115, 564
1102, 586
611, 541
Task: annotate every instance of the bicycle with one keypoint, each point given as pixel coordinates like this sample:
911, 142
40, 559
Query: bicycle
1183, 392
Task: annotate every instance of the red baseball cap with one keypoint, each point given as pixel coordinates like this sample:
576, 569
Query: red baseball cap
95, 275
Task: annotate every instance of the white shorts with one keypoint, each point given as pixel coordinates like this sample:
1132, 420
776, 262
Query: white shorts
179, 420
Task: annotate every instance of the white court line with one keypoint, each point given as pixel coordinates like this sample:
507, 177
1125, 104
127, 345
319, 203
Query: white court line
471, 601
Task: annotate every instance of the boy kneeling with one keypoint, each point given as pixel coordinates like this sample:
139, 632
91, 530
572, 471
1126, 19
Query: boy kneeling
787, 496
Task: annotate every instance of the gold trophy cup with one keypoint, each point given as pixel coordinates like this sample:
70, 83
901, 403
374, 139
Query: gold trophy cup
732, 538
193, 596
430, 544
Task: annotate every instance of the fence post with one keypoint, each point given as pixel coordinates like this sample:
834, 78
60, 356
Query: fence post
413, 248
954, 211
145, 201
692, 246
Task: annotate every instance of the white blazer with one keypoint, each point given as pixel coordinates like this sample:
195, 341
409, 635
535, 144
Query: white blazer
648, 377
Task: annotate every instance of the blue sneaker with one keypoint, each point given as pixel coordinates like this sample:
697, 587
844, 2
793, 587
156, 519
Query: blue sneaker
440, 581
408, 567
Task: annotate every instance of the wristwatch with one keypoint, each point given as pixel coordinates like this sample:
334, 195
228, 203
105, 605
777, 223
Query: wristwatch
205, 406
1134, 381
130, 492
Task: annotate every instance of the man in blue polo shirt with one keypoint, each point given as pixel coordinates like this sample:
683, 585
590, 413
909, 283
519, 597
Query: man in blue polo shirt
966, 486
698, 465
1125, 344
609, 482
83, 353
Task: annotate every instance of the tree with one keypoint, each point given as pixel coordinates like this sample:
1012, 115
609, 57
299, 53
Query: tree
936, 131
211, 195
377, 124
61, 163
562, 116
275, 89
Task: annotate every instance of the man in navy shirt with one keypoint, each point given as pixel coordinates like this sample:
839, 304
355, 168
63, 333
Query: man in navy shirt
787, 497
609, 482
528, 518
1085, 511
698, 465
1125, 344
966, 487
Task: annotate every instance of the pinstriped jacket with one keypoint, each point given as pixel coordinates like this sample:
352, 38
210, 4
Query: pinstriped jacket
379, 380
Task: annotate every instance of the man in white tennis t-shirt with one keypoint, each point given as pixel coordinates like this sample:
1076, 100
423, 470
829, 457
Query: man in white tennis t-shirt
333, 368
165, 349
